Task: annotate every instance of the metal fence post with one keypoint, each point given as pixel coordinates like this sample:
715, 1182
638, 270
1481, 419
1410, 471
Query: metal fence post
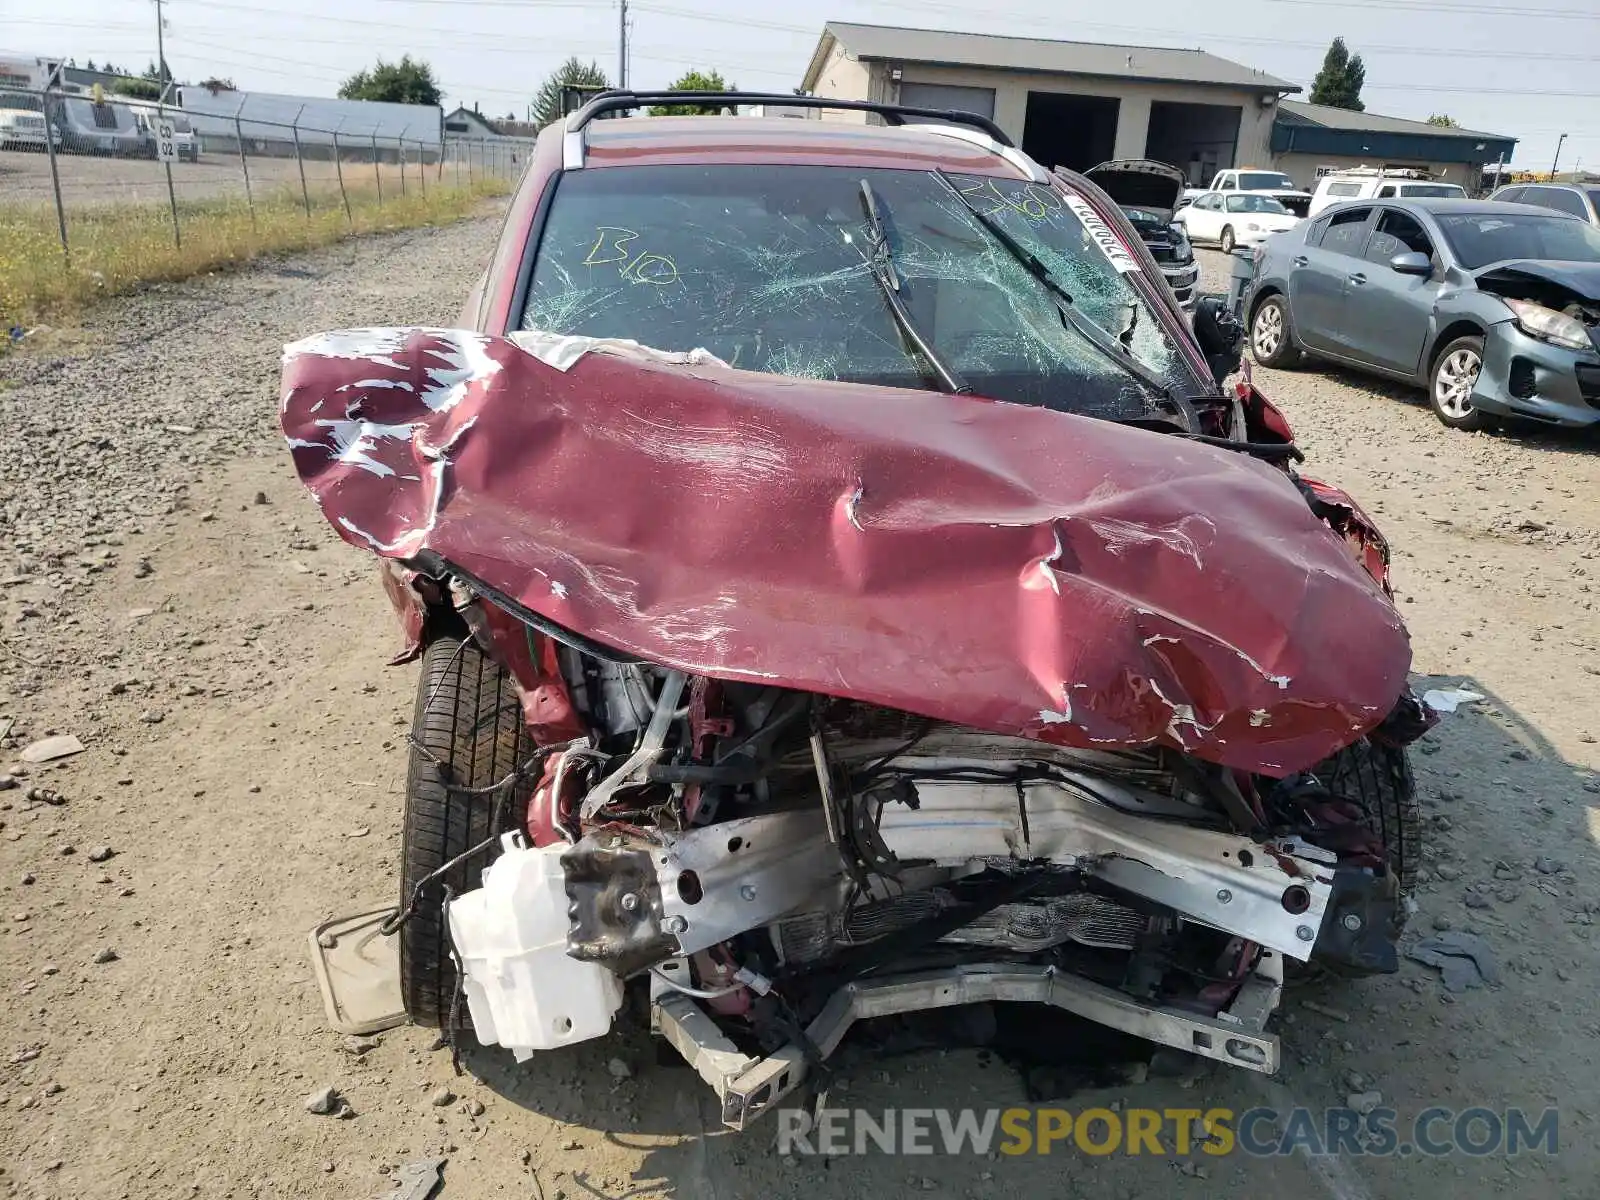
244, 166
455, 153
400, 153
55, 177
376, 174
338, 166
422, 167
301, 162
469, 162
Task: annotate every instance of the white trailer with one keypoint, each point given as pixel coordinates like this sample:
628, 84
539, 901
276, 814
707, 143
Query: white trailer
268, 122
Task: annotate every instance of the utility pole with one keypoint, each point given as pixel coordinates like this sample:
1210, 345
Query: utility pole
1557, 158
621, 47
161, 118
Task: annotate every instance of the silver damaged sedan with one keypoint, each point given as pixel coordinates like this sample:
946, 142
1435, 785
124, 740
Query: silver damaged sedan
1494, 308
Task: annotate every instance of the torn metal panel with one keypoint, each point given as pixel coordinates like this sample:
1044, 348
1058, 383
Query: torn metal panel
1017, 569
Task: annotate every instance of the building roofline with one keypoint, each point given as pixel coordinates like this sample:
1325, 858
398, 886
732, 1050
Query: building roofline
828, 37
1423, 128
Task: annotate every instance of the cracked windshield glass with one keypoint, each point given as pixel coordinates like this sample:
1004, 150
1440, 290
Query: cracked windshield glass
770, 268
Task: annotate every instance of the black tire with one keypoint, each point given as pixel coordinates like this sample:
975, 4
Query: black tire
1283, 352
1379, 779
1227, 243
469, 724
1457, 414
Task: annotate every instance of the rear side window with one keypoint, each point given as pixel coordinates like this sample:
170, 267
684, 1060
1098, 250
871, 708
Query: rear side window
1347, 231
1440, 190
1561, 199
1344, 189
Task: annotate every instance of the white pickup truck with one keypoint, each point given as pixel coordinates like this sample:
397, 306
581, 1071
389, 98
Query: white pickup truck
1262, 183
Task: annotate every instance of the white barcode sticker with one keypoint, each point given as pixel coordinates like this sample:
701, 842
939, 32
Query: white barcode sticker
1101, 234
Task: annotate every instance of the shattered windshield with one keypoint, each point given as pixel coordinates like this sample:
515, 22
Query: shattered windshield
768, 268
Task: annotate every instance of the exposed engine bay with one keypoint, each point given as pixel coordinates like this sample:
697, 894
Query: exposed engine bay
778, 865
1111, 720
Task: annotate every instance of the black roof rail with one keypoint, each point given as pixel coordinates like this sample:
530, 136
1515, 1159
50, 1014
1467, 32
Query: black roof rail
894, 114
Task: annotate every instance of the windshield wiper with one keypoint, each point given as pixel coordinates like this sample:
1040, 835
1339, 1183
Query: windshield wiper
881, 261
1114, 348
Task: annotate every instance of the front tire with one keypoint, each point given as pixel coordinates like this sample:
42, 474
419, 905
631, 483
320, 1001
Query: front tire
1451, 382
1272, 334
468, 733
1227, 242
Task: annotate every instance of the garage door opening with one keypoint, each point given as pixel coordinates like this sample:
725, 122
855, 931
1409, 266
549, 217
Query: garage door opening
1198, 139
1076, 132
944, 96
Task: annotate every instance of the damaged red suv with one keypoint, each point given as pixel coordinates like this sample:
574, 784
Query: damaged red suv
845, 587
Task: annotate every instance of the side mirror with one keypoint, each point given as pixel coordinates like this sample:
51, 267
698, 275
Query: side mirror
1219, 335
1412, 262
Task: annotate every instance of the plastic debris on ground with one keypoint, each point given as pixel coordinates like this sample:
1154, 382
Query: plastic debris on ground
1447, 700
1464, 959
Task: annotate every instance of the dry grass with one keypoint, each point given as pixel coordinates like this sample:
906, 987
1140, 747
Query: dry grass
114, 249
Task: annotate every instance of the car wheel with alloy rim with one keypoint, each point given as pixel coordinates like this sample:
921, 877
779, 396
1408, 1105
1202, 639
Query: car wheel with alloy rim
1271, 336
1452, 382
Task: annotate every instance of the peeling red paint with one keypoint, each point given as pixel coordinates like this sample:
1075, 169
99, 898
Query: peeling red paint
1009, 568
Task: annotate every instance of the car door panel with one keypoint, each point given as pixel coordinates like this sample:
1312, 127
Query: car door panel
1200, 219
1387, 315
1317, 289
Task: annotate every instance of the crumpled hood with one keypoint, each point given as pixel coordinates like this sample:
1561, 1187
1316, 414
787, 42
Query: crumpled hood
1005, 567
1581, 278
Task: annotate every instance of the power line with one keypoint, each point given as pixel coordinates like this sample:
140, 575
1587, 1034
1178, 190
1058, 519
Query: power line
1473, 90
1566, 14
1148, 31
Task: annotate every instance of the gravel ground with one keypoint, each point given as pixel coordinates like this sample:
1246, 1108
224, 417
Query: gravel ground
169, 596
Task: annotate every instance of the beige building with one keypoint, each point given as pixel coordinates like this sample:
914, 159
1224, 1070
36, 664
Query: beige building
1078, 104
1072, 104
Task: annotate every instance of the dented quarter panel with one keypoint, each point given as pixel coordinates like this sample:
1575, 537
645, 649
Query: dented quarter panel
1015, 569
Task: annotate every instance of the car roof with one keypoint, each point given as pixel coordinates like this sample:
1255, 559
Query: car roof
1444, 205
1566, 187
794, 141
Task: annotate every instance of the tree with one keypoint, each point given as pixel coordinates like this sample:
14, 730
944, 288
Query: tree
1339, 82
1444, 121
409, 81
694, 81
546, 106
139, 89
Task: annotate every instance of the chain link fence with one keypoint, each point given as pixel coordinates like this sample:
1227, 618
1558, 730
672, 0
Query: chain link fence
87, 162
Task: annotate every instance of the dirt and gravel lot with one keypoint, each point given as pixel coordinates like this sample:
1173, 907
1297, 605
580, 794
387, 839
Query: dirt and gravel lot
169, 596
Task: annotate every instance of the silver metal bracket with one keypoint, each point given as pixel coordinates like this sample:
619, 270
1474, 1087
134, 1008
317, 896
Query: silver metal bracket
749, 1087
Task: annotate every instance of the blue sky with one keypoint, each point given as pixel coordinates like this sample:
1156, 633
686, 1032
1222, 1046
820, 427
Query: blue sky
1528, 71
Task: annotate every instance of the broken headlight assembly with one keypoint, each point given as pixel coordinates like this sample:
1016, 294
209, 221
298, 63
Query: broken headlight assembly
1551, 326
